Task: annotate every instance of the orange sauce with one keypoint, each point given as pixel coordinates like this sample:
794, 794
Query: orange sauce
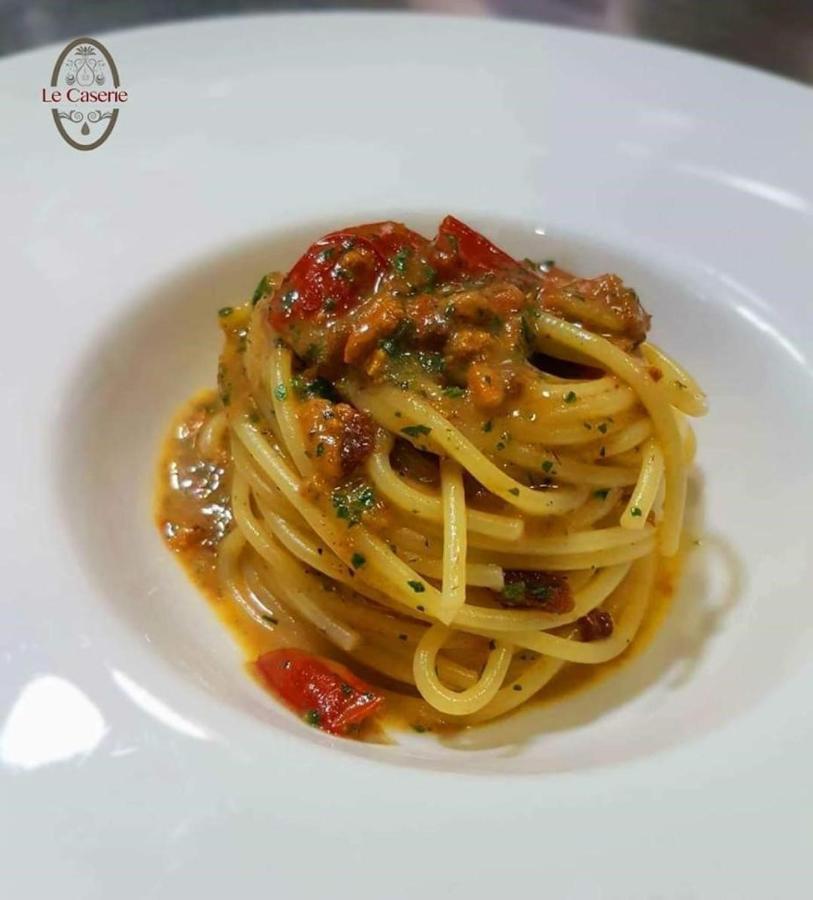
192, 513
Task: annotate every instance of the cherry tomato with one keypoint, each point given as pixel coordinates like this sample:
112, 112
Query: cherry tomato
327, 694
336, 272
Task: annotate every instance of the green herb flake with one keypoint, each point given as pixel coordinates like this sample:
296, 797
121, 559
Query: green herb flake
431, 363
454, 391
399, 261
350, 503
395, 344
418, 586
636, 512
319, 387
415, 430
358, 560
601, 493
547, 466
314, 353
312, 717
420, 729
488, 426
514, 491
280, 392
603, 428
514, 591
260, 291
225, 311
320, 448
570, 397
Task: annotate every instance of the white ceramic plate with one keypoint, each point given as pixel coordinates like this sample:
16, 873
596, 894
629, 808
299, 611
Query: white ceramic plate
137, 759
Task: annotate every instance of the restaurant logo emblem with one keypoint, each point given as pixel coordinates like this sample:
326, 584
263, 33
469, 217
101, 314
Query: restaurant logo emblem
85, 94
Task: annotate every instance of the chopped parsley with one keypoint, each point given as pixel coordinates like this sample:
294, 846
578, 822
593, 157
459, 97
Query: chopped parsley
320, 448
319, 387
280, 392
358, 560
547, 466
516, 591
514, 491
603, 428
351, 502
395, 344
488, 426
260, 291
399, 261
431, 363
454, 391
636, 511
418, 586
225, 311
570, 397
601, 493
415, 430
312, 717
314, 352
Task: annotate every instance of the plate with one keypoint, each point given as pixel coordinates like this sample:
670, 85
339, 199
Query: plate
136, 758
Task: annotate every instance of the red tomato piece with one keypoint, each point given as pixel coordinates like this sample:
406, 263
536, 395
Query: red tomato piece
338, 270
326, 693
467, 250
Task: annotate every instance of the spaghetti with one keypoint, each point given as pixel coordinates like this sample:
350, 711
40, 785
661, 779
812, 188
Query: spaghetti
436, 468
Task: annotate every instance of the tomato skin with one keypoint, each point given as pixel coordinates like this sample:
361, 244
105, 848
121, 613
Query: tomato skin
342, 267
328, 693
474, 253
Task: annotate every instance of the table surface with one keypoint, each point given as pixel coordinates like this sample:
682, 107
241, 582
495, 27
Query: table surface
776, 35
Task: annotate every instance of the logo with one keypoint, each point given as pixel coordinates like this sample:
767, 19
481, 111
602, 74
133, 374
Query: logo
85, 94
